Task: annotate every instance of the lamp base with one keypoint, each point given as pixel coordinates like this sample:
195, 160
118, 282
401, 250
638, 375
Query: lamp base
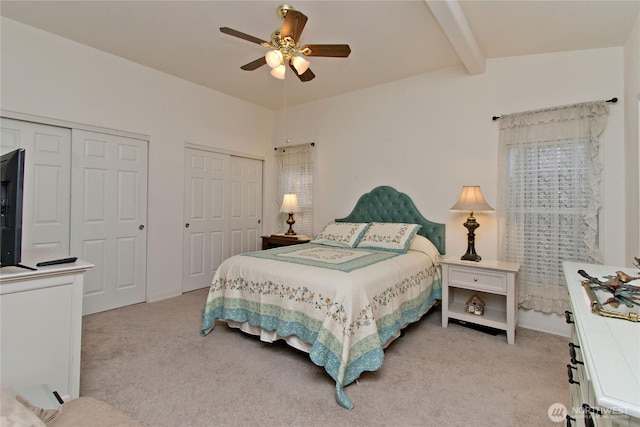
471, 254
290, 221
471, 257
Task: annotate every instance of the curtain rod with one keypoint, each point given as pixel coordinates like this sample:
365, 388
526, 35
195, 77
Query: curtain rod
313, 144
612, 100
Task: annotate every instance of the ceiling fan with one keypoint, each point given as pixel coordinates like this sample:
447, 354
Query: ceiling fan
284, 47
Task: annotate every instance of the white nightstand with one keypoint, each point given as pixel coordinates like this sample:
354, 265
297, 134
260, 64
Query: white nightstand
491, 281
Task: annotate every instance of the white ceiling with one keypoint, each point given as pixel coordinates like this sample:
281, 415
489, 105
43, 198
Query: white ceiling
390, 40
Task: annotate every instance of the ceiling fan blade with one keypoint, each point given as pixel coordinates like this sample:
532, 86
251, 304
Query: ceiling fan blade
293, 25
304, 77
307, 75
247, 37
254, 64
332, 50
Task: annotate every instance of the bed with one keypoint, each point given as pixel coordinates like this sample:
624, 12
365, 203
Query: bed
343, 297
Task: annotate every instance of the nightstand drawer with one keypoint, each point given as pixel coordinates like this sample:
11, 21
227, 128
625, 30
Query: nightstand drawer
477, 279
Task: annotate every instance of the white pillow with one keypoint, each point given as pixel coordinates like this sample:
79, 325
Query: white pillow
426, 246
388, 236
343, 234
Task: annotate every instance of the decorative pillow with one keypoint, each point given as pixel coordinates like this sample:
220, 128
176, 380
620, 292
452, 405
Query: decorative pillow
13, 411
343, 234
426, 246
388, 236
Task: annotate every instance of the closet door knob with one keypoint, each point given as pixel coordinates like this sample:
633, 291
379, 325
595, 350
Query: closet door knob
186, 225
141, 227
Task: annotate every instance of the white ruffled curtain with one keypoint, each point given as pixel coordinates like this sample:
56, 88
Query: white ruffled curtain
295, 175
549, 197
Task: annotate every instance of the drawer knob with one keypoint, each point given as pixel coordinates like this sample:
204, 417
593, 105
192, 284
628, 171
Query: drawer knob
475, 279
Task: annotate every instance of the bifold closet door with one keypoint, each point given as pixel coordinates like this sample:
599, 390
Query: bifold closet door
245, 205
206, 217
45, 217
222, 212
109, 216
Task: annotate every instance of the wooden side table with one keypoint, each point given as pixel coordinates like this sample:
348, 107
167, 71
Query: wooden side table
492, 281
277, 240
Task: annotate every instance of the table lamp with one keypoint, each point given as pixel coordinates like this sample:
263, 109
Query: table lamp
290, 206
471, 200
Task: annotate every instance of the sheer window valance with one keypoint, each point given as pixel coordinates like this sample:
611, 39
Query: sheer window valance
549, 197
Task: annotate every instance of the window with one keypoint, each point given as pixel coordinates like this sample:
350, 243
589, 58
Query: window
549, 197
295, 175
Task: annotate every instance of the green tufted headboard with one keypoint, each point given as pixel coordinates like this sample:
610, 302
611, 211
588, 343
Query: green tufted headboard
386, 204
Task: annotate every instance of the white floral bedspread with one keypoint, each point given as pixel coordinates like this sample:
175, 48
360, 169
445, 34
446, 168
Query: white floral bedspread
345, 317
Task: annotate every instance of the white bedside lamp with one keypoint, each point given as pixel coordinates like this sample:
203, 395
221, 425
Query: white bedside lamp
290, 206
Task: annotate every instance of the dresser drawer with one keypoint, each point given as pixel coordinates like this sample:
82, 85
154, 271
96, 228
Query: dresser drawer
478, 279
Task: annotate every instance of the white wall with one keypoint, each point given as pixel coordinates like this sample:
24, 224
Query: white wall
632, 139
49, 76
431, 134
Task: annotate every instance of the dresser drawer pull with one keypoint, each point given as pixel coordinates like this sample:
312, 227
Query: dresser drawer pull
567, 317
588, 410
570, 370
588, 421
569, 419
572, 353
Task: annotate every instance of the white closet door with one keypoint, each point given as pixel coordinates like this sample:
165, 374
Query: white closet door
245, 205
109, 214
45, 218
223, 210
206, 218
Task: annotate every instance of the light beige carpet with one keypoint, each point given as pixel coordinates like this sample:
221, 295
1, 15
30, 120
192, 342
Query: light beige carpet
150, 361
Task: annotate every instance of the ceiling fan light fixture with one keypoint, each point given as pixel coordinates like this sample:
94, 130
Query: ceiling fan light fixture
278, 72
300, 64
273, 58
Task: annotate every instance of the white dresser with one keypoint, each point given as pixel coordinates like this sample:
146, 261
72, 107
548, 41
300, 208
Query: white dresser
41, 325
603, 358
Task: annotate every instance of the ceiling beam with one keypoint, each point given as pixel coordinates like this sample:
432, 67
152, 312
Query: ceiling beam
455, 26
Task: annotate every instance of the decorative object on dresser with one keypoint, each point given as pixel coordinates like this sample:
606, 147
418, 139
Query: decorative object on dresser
493, 281
603, 368
615, 297
277, 240
471, 200
290, 206
475, 306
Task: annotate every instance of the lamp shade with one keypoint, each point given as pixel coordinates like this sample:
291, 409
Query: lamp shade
471, 200
273, 58
290, 203
300, 64
279, 72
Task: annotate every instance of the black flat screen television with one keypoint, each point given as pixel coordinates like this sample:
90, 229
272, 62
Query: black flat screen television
12, 174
